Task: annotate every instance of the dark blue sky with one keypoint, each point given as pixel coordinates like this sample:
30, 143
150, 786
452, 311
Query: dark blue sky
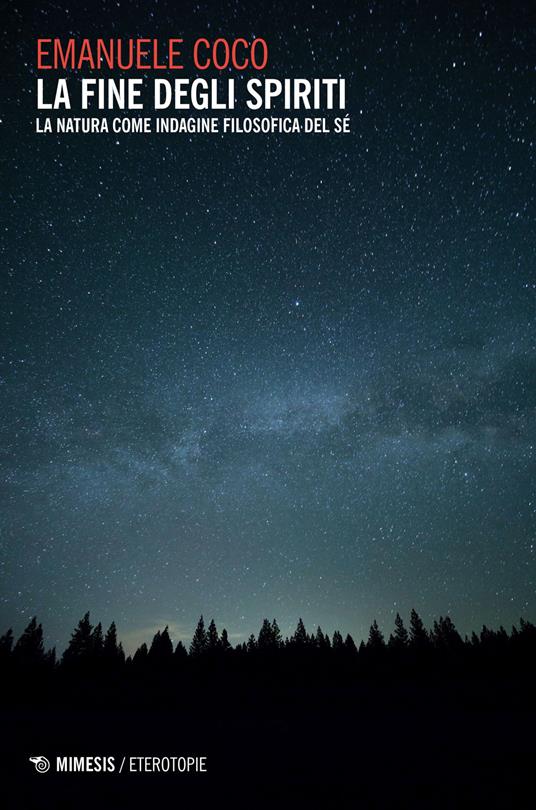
276, 375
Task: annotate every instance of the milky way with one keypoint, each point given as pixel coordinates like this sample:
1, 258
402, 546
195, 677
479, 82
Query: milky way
277, 375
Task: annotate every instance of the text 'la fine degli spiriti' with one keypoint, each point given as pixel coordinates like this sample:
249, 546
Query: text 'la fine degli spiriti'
192, 93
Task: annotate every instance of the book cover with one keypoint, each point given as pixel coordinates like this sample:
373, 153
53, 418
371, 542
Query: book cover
268, 404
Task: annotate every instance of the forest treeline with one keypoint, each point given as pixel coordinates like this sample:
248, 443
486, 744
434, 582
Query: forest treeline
93, 651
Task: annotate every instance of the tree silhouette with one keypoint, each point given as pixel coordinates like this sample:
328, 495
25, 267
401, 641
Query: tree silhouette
50, 657
181, 654
224, 641
141, 655
300, 635
199, 641
321, 641
269, 636
97, 641
527, 630
251, 643
338, 643
445, 636
29, 649
213, 639
112, 651
161, 648
376, 641
165, 643
6, 645
418, 636
81, 644
276, 634
399, 640
265, 640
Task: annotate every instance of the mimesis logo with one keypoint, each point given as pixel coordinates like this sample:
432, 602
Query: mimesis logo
72, 764
42, 765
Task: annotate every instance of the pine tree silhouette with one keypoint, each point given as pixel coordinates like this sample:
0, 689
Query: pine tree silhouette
81, 643
376, 641
251, 644
445, 636
141, 656
199, 641
321, 641
155, 644
97, 641
527, 630
276, 634
6, 645
224, 641
419, 638
299, 638
112, 651
213, 639
29, 649
267, 636
181, 654
161, 649
399, 640
338, 643
166, 647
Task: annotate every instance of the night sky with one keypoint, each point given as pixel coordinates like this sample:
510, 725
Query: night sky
281, 375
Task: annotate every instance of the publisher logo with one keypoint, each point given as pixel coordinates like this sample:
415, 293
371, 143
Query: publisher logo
42, 765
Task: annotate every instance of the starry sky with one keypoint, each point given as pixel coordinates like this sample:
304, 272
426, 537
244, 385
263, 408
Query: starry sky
281, 375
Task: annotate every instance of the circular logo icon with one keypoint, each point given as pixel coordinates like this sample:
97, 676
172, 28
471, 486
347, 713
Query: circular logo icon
42, 765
